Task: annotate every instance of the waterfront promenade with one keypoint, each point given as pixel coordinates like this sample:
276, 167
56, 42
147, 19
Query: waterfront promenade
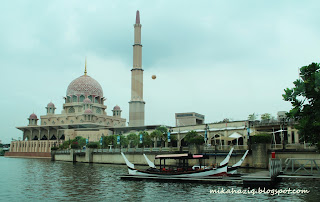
258, 157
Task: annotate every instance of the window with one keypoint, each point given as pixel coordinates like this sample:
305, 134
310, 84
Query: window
74, 98
71, 110
81, 98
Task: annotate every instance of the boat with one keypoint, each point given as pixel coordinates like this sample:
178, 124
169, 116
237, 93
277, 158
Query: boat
232, 170
182, 169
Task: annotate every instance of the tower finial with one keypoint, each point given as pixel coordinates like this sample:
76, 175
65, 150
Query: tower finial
137, 17
85, 67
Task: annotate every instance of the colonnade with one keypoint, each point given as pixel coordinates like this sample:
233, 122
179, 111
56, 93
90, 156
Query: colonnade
34, 145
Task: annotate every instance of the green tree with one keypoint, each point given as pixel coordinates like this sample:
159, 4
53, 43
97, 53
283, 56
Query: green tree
156, 134
192, 137
133, 139
164, 132
109, 140
265, 116
81, 141
305, 101
146, 139
252, 117
124, 141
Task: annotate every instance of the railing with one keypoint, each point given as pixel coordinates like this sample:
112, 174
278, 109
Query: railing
138, 150
62, 152
302, 166
276, 146
295, 146
275, 167
225, 147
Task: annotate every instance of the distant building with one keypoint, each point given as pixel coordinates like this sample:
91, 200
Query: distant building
189, 119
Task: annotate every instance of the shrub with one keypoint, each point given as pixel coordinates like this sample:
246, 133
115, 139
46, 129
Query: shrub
93, 145
75, 145
261, 138
54, 148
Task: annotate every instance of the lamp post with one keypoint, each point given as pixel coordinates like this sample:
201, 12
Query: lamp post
282, 133
119, 141
102, 137
169, 136
206, 134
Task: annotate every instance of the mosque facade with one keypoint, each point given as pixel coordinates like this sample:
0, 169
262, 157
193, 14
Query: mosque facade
84, 114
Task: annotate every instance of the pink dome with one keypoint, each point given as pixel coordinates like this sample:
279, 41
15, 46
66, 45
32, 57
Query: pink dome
33, 116
88, 111
50, 105
116, 107
87, 101
85, 85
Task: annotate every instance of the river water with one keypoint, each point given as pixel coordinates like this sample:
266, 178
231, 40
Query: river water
44, 180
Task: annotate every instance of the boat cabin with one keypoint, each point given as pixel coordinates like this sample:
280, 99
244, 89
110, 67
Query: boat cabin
182, 162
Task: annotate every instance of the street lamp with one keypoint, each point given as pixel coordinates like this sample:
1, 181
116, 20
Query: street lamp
101, 143
206, 134
169, 136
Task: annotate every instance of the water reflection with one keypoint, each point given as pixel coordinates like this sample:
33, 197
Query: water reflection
44, 180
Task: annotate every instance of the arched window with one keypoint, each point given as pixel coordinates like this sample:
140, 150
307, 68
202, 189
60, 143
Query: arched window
90, 98
68, 99
53, 137
74, 98
81, 98
71, 110
96, 100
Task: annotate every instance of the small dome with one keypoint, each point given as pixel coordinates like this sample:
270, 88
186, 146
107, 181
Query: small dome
88, 111
33, 116
50, 105
116, 107
87, 101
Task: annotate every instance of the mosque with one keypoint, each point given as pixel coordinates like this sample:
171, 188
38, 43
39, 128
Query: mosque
84, 114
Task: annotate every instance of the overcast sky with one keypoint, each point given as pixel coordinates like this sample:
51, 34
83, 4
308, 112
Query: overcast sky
222, 59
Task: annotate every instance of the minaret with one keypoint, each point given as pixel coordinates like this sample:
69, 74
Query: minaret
136, 104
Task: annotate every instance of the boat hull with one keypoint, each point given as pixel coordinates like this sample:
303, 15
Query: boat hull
220, 171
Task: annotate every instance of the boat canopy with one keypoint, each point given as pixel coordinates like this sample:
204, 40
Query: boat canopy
182, 156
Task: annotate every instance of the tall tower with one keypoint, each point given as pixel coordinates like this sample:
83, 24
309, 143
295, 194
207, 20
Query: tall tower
136, 104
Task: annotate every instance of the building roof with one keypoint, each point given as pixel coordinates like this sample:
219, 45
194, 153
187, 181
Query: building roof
50, 105
85, 85
33, 116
